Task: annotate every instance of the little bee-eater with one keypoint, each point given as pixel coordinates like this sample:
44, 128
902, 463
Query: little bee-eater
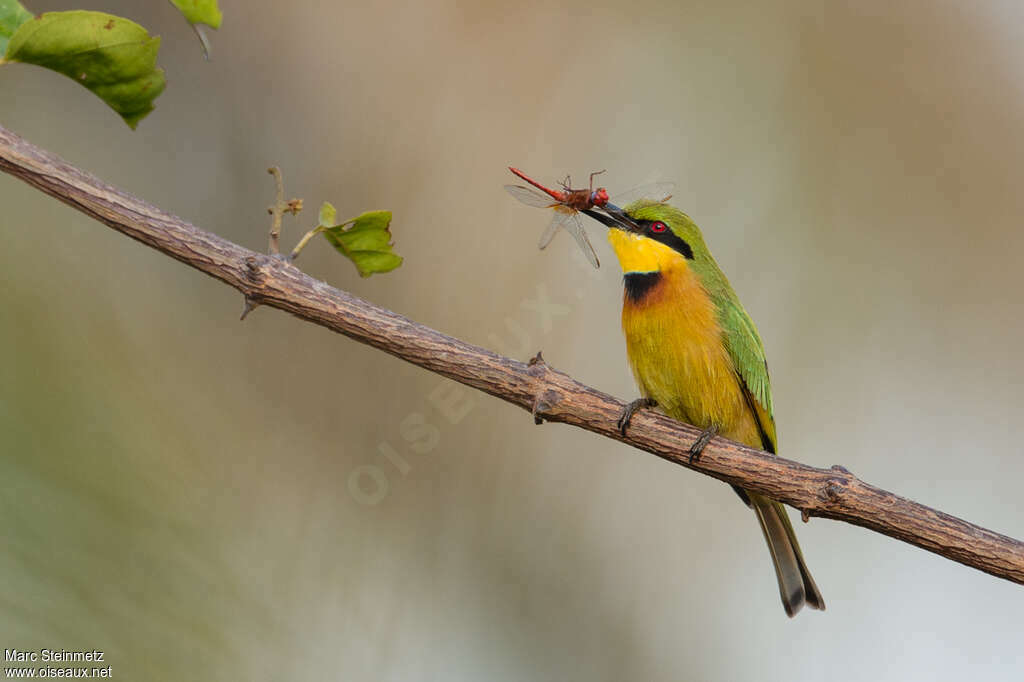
696, 354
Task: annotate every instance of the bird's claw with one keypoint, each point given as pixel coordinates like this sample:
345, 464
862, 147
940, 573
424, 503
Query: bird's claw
629, 410
702, 441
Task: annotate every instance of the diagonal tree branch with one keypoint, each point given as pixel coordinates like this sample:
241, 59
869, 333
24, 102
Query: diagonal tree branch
547, 393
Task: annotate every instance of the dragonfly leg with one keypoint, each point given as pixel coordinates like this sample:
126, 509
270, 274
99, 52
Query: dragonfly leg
592, 178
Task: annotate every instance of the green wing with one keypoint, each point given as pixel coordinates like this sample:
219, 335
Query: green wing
747, 353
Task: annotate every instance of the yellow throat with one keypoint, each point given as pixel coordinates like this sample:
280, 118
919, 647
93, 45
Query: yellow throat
639, 254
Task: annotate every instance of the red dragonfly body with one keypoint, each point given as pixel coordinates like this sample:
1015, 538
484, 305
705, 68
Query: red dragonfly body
576, 199
568, 202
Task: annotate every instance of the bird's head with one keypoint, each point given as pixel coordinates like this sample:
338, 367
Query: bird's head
650, 236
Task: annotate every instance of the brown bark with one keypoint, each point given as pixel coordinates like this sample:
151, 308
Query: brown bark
545, 392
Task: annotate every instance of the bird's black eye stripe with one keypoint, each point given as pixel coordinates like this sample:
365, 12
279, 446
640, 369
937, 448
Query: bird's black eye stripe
656, 230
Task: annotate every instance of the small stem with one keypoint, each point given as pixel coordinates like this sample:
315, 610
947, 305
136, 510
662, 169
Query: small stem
277, 211
204, 42
305, 240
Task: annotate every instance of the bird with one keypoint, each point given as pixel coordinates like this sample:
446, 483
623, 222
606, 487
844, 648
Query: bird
697, 356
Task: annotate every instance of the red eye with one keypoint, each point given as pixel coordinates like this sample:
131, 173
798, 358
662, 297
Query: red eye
658, 227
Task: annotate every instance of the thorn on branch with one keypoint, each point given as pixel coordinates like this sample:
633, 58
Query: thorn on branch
833, 491
836, 487
536, 366
253, 269
543, 403
254, 272
805, 515
249, 306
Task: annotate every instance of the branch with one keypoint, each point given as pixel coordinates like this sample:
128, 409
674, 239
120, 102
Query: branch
536, 387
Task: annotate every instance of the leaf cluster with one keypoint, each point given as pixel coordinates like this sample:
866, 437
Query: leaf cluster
113, 57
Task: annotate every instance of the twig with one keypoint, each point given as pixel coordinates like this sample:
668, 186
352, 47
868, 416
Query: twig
305, 240
545, 392
276, 212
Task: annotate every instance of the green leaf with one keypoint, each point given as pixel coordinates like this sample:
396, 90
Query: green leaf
12, 15
112, 56
367, 243
328, 215
200, 11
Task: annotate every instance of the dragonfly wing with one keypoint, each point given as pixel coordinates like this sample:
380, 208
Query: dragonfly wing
657, 191
569, 219
575, 228
561, 217
530, 197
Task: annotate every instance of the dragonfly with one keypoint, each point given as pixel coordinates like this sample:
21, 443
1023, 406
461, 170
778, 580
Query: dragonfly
566, 203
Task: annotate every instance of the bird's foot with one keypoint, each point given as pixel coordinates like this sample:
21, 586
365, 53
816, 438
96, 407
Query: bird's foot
702, 441
629, 410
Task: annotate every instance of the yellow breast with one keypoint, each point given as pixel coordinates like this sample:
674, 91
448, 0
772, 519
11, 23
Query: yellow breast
679, 358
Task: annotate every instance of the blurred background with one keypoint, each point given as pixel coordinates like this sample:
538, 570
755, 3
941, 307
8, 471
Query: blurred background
203, 498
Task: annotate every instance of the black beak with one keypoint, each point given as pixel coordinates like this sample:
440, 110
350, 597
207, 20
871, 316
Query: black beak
612, 216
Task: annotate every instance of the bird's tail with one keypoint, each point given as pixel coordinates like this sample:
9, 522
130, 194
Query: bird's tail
796, 586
